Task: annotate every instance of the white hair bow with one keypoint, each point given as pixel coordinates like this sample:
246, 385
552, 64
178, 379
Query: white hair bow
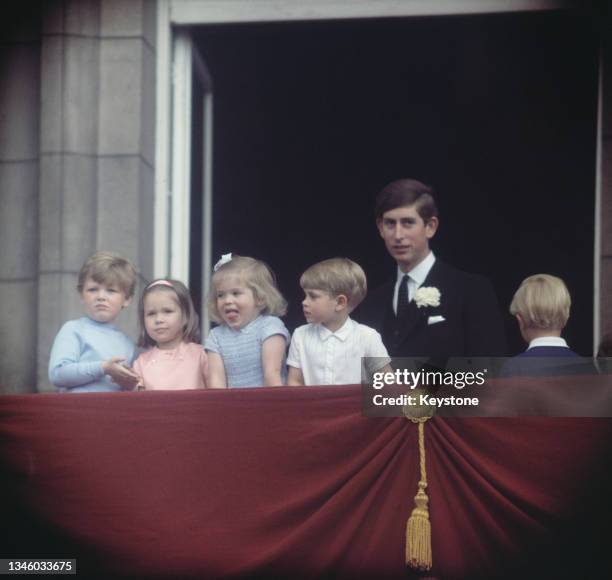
225, 258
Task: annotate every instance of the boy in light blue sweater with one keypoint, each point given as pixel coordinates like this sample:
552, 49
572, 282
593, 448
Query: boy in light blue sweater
90, 354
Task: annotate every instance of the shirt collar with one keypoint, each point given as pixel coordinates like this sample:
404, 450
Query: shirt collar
178, 352
547, 341
248, 328
420, 272
342, 333
98, 324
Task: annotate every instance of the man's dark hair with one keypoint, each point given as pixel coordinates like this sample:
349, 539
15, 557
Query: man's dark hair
403, 192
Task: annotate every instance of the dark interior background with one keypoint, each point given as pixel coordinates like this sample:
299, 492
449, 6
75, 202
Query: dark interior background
497, 112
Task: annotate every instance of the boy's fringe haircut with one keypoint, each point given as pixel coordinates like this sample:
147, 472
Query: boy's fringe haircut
337, 276
109, 268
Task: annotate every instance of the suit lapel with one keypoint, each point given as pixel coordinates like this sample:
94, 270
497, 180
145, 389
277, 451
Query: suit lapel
436, 276
417, 317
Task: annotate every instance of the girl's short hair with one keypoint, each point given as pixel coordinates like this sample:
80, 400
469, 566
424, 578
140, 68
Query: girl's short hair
542, 301
109, 268
180, 292
337, 276
254, 274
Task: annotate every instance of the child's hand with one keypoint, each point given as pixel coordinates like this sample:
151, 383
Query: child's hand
122, 375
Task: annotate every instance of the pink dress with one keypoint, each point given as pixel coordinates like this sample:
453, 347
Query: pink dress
185, 367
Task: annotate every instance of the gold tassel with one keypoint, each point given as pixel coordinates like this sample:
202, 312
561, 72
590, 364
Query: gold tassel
418, 528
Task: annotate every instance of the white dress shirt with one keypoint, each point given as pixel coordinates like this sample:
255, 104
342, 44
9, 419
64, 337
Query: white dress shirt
416, 277
335, 358
548, 341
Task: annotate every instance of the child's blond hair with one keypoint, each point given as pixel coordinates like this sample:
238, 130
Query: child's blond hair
254, 274
109, 268
337, 276
542, 301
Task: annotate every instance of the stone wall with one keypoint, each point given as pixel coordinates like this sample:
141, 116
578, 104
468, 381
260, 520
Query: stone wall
76, 166
19, 184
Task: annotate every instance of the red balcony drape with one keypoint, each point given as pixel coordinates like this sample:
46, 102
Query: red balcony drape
288, 482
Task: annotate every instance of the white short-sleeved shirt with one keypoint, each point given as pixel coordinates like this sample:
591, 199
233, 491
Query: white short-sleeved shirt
335, 358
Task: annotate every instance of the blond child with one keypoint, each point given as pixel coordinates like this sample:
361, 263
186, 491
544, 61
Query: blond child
541, 307
90, 354
248, 347
329, 349
169, 329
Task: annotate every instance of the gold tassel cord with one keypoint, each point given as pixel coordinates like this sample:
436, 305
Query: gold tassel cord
418, 528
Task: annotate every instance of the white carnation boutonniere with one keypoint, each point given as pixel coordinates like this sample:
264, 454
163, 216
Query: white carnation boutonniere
427, 296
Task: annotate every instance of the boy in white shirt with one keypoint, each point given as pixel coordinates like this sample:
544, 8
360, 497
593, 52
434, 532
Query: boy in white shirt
329, 349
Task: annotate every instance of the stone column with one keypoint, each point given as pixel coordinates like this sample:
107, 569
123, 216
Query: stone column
68, 161
96, 150
19, 146
126, 137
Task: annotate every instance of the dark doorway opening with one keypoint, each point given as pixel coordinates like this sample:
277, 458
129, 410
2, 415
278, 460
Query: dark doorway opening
497, 112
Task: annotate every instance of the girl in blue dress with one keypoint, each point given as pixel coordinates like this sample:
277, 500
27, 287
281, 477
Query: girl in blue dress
248, 347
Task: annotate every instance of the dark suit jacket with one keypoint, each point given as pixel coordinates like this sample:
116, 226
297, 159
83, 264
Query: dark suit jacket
542, 361
547, 351
473, 324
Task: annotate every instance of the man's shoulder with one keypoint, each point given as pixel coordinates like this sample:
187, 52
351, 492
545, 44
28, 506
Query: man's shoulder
446, 270
381, 289
376, 305
461, 282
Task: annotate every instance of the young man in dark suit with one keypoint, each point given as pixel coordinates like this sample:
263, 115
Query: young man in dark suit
428, 308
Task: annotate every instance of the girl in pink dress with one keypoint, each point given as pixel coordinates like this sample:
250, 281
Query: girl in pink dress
169, 326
